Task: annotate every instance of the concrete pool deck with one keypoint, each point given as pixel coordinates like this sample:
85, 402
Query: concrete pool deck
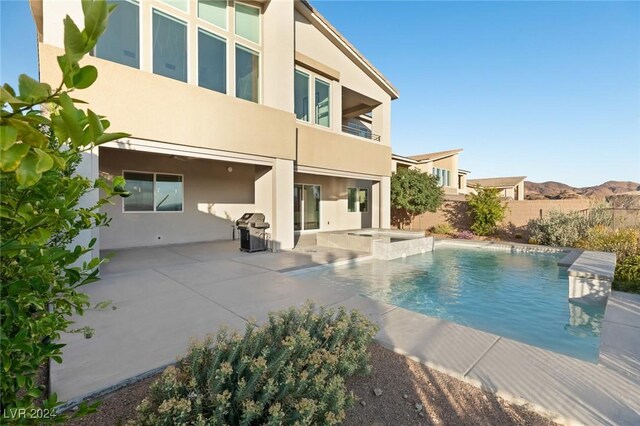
165, 295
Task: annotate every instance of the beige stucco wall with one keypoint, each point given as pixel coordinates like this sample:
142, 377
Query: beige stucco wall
334, 202
213, 200
322, 148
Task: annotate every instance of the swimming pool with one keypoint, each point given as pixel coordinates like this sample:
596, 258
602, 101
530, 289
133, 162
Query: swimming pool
521, 296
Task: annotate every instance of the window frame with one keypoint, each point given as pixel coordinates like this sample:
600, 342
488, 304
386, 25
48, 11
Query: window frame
186, 12
154, 192
226, 58
358, 189
188, 52
235, 71
317, 78
226, 17
309, 92
140, 39
235, 21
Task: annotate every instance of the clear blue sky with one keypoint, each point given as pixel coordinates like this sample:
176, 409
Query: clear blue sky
550, 90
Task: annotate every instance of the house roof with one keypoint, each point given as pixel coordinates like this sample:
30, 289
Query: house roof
363, 62
430, 156
463, 172
497, 182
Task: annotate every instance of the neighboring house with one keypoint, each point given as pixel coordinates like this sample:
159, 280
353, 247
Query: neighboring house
232, 107
510, 187
443, 164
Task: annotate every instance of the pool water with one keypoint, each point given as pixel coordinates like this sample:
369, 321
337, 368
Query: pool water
521, 296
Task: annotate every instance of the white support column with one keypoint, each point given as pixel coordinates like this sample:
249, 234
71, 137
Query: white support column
89, 168
282, 189
375, 204
385, 202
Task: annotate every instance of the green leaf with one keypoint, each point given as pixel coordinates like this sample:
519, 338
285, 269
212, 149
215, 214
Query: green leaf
8, 135
85, 77
45, 162
69, 114
95, 125
96, 14
28, 134
34, 392
11, 158
74, 40
32, 90
108, 137
26, 173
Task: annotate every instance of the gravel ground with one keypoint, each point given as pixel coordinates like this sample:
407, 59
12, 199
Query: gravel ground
412, 394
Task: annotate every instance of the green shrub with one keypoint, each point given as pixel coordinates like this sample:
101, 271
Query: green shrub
486, 210
565, 229
43, 137
290, 371
625, 243
413, 193
444, 229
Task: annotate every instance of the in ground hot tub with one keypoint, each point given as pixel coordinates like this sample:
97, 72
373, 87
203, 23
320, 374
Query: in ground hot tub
382, 243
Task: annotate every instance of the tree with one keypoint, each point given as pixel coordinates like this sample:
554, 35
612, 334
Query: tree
486, 210
43, 136
413, 193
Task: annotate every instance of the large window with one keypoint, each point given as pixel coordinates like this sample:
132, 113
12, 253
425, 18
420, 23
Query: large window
169, 46
301, 95
444, 176
121, 41
358, 200
247, 74
214, 12
212, 62
322, 110
248, 22
153, 192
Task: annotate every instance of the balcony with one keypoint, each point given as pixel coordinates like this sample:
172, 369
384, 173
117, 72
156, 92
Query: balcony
357, 114
363, 132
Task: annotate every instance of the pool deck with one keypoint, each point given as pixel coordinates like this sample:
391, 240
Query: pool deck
165, 295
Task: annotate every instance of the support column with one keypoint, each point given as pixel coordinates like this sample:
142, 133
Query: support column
385, 202
375, 204
89, 168
282, 190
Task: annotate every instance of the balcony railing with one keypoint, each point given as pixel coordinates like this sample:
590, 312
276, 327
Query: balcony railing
360, 132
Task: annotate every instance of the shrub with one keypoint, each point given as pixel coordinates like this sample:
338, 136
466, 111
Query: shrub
43, 137
444, 229
413, 193
465, 235
625, 243
486, 210
565, 229
290, 371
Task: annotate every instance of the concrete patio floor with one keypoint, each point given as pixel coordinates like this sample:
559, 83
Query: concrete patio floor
164, 296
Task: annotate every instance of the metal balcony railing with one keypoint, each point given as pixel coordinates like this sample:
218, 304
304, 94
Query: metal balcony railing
360, 132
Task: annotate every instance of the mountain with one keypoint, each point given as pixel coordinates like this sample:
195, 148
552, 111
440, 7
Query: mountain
557, 190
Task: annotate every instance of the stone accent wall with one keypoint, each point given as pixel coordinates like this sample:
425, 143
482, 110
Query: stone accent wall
454, 211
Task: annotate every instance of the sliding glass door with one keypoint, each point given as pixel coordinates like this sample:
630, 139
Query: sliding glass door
306, 207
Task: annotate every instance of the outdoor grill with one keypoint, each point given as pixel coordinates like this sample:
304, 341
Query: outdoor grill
252, 232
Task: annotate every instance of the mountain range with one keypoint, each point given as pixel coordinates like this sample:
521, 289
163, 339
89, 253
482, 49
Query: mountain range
557, 190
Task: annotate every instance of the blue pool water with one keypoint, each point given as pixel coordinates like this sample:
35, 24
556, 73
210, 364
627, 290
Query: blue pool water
515, 295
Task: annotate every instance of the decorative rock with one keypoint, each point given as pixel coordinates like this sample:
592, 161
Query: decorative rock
363, 403
405, 396
418, 407
377, 391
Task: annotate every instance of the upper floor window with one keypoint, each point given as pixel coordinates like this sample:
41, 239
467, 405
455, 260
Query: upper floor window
248, 22
301, 95
444, 176
169, 46
322, 103
121, 41
214, 12
182, 5
212, 62
247, 74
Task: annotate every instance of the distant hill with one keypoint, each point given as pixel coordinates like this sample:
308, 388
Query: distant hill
558, 191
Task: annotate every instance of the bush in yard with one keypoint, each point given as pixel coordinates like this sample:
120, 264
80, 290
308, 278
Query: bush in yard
290, 371
414, 193
41, 270
625, 243
486, 210
465, 235
565, 229
444, 229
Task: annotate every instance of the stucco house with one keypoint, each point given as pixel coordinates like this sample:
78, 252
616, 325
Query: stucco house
232, 107
443, 164
510, 187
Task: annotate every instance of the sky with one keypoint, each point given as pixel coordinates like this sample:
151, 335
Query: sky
550, 90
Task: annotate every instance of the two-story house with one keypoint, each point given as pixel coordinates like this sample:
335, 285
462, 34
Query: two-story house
232, 107
443, 164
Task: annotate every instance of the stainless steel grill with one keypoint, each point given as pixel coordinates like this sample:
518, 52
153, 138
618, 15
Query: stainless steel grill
252, 232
